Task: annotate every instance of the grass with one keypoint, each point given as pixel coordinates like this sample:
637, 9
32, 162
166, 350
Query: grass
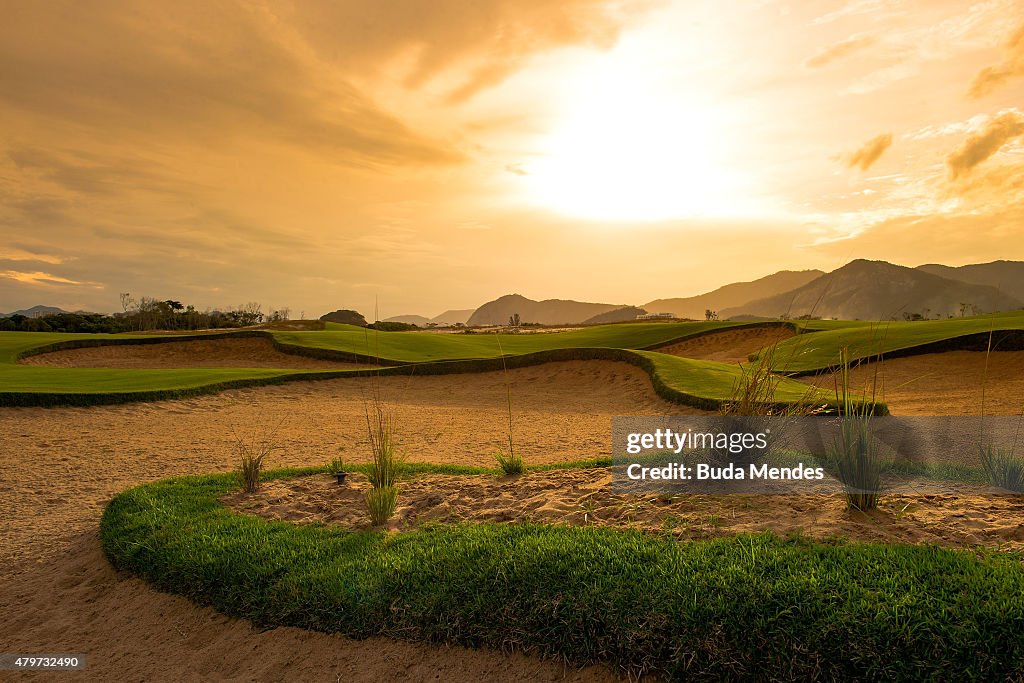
1003, 468
854, 455
736, 608
380, 503
699, 383
252, 453
702, 384
809, 353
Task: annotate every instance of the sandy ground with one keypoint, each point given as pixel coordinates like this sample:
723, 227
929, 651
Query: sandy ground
728, 346
955, 515
949, 383
59, 467
210, 353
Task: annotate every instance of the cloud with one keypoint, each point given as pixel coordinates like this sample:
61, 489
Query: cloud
840, 50
869, 152
483, 41
16, 254
993, 77
979, 147
41, 278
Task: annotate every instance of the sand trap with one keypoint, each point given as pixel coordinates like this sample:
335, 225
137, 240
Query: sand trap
948, 383
129, 631
225, 352
59, 466
728, 346
963, 515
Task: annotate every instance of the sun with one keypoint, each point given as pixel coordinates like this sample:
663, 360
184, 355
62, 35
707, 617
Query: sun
632, 152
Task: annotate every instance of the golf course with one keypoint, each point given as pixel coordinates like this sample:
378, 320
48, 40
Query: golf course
550, 562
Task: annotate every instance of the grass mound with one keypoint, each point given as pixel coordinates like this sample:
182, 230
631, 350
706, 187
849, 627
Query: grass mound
737, 608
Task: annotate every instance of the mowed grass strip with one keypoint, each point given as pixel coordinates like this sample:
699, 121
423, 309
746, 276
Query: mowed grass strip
819, 350
697, 383
752, 606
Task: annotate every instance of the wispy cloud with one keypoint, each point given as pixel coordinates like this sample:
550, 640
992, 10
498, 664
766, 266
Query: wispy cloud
839, 50
870, 152
979, 147
15, 254
993, 77
45, 279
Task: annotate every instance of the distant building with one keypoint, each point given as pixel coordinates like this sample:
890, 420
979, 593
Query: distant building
656, 316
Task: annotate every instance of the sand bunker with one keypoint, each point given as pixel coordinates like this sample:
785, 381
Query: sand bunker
59, 467
964, 515
728, 346
948, 383
224, 352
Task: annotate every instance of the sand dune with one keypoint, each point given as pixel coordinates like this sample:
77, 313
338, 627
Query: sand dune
728, 346
948, 383
224, 352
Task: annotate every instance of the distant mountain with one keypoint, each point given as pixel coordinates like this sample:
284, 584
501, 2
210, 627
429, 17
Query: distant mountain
1006, 276
447, 318
877, 290
734, 295
460, 315
618, 315
547, 312
35, 312
417, 320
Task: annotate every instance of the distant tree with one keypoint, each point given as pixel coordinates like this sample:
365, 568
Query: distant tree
514, 320
710, 315
345, 316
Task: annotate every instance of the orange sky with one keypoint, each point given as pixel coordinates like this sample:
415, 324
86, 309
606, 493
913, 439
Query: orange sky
433, 154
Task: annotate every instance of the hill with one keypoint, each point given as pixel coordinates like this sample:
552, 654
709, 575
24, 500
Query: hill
547, 312
35, 312
619, 315
733, 295
1006, 276
877, 290
417, 320
459, 315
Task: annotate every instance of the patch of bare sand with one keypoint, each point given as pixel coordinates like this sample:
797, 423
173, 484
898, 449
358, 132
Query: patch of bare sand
961, 515
59, 467
728, 346
222, 352
948, 383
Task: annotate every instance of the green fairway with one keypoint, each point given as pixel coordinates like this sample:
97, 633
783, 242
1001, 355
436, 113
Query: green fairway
419, 347
820, 350
698, 383
694, 382
736, 608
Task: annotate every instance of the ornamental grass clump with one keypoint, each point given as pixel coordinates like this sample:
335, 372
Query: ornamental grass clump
854, 454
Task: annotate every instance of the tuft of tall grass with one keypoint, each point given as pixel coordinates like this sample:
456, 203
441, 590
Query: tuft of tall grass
854, 455
511, 462
1003, 468
380, 503
386, 463
337, 464
252, 453
754, 392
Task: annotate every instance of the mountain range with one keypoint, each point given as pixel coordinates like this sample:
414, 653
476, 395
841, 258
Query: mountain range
862, 289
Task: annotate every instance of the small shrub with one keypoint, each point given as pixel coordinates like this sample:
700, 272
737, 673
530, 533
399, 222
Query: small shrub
335, 465
1003, 468
380, 503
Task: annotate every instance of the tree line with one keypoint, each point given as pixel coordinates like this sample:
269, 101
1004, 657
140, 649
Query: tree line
145, 314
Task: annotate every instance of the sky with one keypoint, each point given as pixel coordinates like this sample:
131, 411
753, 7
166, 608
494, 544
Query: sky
413, 156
